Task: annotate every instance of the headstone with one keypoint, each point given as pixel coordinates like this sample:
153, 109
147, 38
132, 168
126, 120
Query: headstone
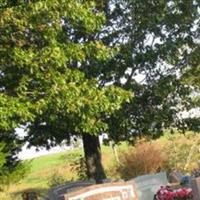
195, 184
107, 191
57, 193
29, 196
175, 177
148, 185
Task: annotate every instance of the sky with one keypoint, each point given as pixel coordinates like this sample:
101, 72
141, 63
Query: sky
29, 153
32, 153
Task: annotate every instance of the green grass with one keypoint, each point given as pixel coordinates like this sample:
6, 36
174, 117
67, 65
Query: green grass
42, 168
44, 162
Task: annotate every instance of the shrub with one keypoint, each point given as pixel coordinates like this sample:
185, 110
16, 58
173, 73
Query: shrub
55, 180
178, 152
78, 166
5, 196
12, 170
182, 152
11, 177
145, 158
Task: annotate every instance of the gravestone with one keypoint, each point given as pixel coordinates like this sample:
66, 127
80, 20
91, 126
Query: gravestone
195, 184
175, 177
148, 185
57, 193
107, 191
29, 196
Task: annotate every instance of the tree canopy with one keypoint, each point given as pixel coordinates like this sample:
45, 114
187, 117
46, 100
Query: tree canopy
38, 80
11, 169
40, 85
71, 67
159, 45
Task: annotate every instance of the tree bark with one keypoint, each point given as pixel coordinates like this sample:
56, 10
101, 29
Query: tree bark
92, 151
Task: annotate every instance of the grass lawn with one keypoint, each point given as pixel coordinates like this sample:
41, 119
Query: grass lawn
43, 167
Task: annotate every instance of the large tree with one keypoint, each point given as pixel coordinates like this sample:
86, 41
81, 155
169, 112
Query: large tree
158, 43
40, 77
12, 113
61, 67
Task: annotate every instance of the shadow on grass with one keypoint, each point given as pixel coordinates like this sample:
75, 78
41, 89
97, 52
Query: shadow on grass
41, 193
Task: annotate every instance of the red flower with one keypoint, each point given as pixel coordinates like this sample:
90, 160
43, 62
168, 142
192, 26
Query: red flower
166, 193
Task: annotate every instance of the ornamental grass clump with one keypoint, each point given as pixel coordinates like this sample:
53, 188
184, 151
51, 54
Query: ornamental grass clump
144, 158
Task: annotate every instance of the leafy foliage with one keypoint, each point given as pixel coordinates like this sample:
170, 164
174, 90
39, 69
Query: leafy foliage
56, 180
51, 95
158, 42
182, 152
11, 169
79, 167
71, 69
2, 155
169, 153
42, 85
144, 158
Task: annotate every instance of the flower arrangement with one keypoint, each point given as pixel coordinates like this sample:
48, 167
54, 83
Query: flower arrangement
166, 193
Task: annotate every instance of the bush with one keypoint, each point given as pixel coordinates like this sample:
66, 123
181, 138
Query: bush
5, 196
12, 170
55, 180
78, 166
182, 152
76, 163
14, 176
176, 152
145, 158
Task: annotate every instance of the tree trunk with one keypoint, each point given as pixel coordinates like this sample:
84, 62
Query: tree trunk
92, 151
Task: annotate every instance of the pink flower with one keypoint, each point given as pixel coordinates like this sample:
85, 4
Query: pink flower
166, 193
